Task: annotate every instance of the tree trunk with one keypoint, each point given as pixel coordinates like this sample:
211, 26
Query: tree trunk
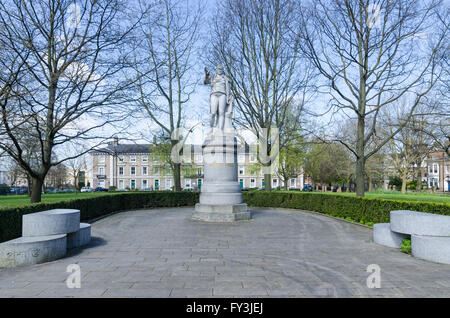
37, 190
268, 182
419, 180
404, 180
29, 182
177, 176
359, 176
370, 184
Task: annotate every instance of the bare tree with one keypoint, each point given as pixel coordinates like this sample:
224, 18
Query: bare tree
73, 76
165, 66
76, 167
260, 53
371, 54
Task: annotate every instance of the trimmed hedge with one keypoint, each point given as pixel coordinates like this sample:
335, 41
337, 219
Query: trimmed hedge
90, 208
358, 209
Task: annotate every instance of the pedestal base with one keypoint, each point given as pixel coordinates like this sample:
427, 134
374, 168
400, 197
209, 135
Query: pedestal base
221, 213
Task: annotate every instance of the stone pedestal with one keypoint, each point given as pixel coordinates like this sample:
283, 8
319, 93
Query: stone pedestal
221, 196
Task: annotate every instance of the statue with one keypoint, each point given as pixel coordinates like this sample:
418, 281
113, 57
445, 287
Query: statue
221, 101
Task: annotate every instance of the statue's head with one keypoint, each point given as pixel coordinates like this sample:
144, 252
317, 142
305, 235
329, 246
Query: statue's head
219, 69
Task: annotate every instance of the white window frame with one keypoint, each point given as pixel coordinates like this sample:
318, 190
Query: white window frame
120, 158
101, 170
243, 170
275, 183
144, 158
145, 186
252, 183
169, 183
133, 158
293, 183
131, 171
101, 158
121, 187
121, 168
145, 173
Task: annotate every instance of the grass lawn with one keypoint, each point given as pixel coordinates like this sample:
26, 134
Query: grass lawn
21, 200
395, 195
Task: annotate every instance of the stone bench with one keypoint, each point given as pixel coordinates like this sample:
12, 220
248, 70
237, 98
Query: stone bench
46, 236
79, 238
60, 221
32, 250
429, 233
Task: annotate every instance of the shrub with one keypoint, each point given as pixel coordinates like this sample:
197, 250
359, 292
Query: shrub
406, 246
364, 210
90, 208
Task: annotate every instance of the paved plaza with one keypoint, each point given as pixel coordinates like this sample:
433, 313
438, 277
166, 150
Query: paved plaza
279, 253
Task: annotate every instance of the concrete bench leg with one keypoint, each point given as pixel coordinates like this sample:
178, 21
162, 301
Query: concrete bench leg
383, 235
431, 248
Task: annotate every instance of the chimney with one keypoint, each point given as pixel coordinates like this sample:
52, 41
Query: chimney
116, 141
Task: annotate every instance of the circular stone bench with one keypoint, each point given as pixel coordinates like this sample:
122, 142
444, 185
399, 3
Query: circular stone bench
79, 238
383, 235
431, 248
32, 250
420, 223
52, 222
430, 234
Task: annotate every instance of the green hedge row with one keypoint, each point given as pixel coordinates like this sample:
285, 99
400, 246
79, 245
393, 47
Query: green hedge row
358, 209
90, 208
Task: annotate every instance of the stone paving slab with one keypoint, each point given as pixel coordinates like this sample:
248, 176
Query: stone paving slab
280, 253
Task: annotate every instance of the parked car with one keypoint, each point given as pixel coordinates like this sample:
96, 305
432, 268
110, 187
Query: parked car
19, 191
188, 189
100, 189
68, 190
86, 189
147, 189
307, 187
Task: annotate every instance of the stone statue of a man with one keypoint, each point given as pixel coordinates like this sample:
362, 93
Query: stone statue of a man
221, 101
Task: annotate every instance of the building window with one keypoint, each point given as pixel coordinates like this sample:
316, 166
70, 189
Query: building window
252, 183
241, 170
241, 158
292, 183
187, 183
144, 171
168, 184
198, 159
156, 170
101, 171
121, 184
101, 158
252, 158
132, 158
199, 171
133, 171
275, 183
144, 184
144, 158
120, 171
120, 158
